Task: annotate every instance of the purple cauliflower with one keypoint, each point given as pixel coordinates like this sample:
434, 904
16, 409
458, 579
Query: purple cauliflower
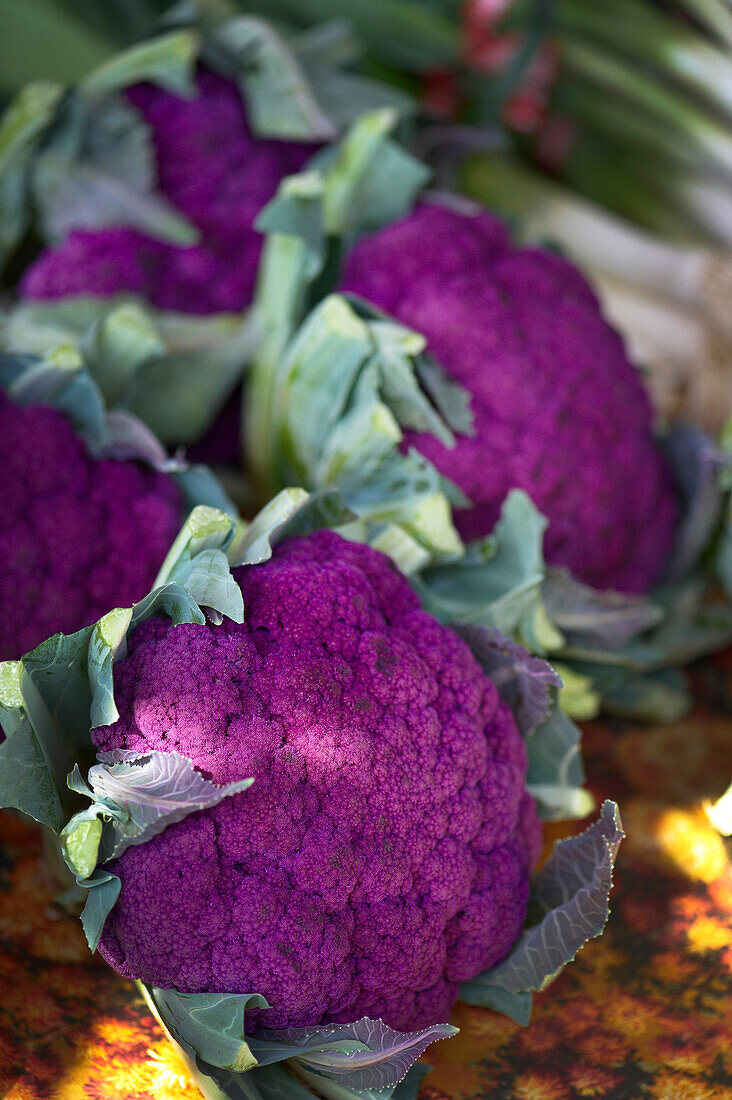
79, 535
218, 175
559, 410
382, 854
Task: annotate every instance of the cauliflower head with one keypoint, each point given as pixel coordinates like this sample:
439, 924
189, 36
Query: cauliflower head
559, 410
218, 174
80, 535
382, 855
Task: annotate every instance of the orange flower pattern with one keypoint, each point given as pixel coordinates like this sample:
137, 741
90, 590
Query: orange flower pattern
644, 1012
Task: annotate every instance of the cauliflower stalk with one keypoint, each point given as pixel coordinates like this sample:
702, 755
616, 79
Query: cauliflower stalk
484, 425
310, 827
81, 484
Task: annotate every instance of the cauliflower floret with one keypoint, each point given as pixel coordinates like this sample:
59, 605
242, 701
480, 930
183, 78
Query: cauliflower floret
214, 171
559, 410
79, 536
382, 855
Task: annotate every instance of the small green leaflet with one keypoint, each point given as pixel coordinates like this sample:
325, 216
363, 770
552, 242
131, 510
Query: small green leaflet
291, 512
198, 563
138, 796
167, 60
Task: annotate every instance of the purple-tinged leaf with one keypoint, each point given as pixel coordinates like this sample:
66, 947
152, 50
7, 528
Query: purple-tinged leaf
379, 1057
525, 682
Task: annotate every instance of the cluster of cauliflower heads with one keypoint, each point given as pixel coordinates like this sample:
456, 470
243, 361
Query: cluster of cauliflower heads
301, 803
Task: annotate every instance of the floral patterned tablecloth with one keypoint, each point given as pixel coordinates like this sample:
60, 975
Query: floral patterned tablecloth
646, 1011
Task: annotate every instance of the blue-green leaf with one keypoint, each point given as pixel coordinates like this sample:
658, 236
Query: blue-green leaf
280, 102
210, 1026
595, 619
555, 774
25, 781
366, 1054
104, 889
498, 582
695, 462
572, 891
73, 193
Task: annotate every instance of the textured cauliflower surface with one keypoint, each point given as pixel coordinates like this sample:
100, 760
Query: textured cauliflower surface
559, 410
79, 536
382, 854
214, 171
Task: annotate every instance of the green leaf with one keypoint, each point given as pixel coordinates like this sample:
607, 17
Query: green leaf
166, 60
555, 774
268, 1083
197, 562
71, 193
370, 180
57, 696
280, 102
81, 839
254, 543
517, 1006
579, 697
210, 1026
498, 582
333, 395
107, 643
171, 370
199, 486
179, 392
104, 889
349, 95
59, 380
116, 346
25, 119
25, 781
